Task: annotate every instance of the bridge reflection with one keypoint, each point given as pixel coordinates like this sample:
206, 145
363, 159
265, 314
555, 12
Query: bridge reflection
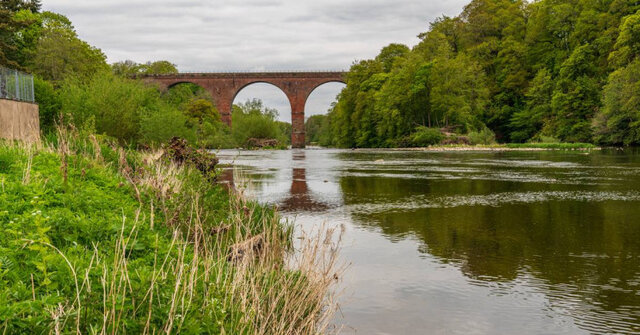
298, 198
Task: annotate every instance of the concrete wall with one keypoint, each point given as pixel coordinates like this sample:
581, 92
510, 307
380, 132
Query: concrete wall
19, 121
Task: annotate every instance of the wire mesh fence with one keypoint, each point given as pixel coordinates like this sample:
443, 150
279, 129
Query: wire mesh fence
16, 85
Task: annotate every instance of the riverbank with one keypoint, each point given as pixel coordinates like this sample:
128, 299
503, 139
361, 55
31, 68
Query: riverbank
97, 239
494, 147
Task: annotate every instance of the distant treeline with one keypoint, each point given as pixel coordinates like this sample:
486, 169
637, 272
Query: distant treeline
540, 71
75, 85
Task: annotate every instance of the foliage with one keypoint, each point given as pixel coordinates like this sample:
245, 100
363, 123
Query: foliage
253, 120
424, 137
115, 107
524, 69
484, 137
130, 68
60, 54
202, 109
11, 26
565, 146
48, 102
619, 120
313, 128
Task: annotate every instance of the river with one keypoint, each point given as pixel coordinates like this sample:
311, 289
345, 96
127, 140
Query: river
535, 242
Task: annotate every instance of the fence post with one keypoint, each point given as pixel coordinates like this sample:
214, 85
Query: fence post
17, 85
33, 91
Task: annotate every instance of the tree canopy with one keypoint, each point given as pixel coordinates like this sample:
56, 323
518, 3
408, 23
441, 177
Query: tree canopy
548, 69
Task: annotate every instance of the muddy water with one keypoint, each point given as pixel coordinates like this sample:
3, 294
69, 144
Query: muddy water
470, 243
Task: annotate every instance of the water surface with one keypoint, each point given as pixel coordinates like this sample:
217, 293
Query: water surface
470, 242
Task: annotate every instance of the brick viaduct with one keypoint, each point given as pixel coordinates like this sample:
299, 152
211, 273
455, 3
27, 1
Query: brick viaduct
224, 87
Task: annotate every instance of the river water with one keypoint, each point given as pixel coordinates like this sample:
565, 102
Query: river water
544, 242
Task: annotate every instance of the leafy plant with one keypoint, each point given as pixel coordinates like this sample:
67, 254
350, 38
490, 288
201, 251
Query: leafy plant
424, 136
485, 137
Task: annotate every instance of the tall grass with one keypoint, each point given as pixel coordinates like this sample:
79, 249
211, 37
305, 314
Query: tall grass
130, 242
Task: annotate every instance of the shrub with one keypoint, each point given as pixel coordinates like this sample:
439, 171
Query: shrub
424, 136
484, 136
253, 120
544, 139
159, 126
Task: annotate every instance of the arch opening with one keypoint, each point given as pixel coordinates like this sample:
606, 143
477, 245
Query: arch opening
261, 116
317, 106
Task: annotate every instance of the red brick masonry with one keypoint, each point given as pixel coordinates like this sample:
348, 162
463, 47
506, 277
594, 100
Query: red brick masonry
225, 86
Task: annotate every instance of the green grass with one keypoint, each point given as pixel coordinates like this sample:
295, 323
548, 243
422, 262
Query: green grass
95, 238
567, 146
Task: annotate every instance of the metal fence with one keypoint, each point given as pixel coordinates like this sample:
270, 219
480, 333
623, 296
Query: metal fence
16, 85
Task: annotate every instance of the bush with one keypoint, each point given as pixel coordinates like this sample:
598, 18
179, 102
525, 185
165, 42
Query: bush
114, 105
253, 120
484, 137
48, 102
157, 127
456, 140
565, 146
544, 139
424, 136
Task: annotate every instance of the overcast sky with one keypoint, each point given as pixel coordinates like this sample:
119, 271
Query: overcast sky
253, 35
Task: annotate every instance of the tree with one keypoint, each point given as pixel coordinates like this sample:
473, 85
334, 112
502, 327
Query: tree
528, 122
619, 120
627, 47
158, 67
48, 102
576, 97
256, 107
10, 26
202, 109
127, 68
459, 92
61, 54
313, 127
18, 5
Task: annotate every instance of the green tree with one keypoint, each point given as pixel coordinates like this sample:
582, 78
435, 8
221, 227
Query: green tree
528, 122
158, 67
576, 97
61, 54
202, 109
313, 128
49, 103
627, 47
127, 68
459, 92
252, 119
11, 25
619, 120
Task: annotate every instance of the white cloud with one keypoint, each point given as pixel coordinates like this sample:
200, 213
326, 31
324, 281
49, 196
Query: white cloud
252, 35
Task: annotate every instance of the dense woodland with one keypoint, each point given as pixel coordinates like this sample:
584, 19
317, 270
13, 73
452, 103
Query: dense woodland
75, 85
539, 71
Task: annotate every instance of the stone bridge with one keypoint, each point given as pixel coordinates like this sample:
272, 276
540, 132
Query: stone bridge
224, 87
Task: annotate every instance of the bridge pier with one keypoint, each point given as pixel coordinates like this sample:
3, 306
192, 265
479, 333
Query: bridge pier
224, 87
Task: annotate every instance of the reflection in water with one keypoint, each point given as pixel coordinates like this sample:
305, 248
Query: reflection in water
300, 197
488, 243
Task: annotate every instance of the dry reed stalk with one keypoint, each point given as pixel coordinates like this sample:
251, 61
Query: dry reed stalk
26, 175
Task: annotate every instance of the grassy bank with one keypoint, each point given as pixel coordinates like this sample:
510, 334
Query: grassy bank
499, 147
564, 146
97, 239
